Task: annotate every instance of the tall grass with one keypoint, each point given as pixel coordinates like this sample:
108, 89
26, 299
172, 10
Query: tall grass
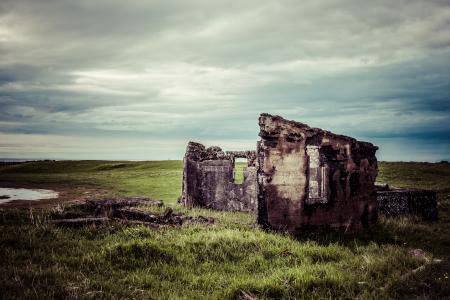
230, 259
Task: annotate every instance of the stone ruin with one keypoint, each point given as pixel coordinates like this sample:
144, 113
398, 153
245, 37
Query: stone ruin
298, 178
208, 179
394, 202
311, 178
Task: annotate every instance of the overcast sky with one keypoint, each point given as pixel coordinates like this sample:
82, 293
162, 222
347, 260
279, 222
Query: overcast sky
139, 79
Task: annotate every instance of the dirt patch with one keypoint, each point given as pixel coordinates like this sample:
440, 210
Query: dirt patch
68, 193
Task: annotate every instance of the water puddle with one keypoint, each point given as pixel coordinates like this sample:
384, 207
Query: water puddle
10, 194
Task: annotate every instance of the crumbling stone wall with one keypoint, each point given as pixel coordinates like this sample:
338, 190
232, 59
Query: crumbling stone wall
312, 178
208, 179
394, 202
299, 178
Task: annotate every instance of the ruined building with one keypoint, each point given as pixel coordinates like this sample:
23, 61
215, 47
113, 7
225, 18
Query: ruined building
311, 178
208, 179
299, 177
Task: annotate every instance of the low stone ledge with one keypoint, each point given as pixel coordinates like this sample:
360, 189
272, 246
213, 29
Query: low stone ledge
395, 202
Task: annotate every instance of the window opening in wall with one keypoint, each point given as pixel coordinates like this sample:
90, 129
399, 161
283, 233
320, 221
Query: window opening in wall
317, 176
239, 165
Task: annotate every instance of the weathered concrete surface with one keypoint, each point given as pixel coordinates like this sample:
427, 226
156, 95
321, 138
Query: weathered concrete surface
312, 178
208, 179
395, 202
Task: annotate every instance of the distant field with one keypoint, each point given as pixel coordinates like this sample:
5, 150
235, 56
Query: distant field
231, 259
159, 179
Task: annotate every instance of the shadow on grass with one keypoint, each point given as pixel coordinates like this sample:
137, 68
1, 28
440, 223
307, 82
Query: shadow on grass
404, 231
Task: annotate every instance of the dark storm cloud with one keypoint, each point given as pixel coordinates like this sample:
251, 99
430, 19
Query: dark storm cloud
177, 70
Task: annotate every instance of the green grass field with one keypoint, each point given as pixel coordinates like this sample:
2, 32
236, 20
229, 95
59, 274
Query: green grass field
231, 259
